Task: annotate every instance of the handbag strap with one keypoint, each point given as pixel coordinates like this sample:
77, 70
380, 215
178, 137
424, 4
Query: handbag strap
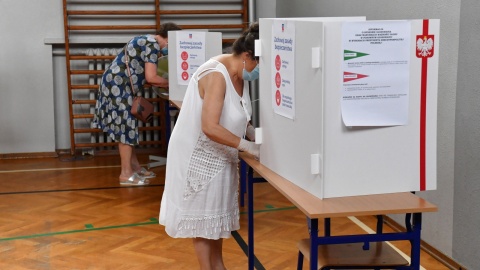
127, 61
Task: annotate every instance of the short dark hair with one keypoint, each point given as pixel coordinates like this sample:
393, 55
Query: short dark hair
165, 27
246, 42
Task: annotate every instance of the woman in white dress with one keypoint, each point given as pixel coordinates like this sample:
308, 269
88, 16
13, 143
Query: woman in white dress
200, 199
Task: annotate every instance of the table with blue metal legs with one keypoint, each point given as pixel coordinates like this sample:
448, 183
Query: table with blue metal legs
315, 208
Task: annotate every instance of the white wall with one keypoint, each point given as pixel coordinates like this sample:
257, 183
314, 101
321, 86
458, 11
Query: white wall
266, 8
26, 81
466, 239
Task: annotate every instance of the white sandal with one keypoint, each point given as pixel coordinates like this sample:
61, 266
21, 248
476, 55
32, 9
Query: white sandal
135, 180
146, 174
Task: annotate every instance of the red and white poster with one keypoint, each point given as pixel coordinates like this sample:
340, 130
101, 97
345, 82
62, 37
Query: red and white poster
190, 54
283, 68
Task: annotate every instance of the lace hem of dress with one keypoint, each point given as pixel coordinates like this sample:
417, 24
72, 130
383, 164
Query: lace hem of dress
209, 224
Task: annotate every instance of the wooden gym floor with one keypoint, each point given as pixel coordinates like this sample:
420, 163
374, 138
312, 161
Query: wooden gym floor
71, 213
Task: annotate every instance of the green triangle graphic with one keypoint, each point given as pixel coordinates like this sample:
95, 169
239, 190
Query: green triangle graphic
347, 55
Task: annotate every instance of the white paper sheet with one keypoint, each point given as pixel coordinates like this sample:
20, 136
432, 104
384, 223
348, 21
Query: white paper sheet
375, 81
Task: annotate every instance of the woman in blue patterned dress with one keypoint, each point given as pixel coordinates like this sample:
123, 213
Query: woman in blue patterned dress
114, 101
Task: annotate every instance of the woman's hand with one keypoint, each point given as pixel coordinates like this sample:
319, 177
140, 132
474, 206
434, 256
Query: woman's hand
249, 147
152, 77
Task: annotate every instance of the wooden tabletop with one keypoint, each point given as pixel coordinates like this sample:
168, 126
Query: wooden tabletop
314, 207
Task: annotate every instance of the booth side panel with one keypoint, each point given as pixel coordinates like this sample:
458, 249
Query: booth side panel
288, 144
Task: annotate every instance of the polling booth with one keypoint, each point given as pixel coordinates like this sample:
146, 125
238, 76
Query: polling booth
348, 106
188, 49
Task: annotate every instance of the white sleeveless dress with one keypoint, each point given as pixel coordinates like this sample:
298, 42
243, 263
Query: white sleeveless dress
201, 185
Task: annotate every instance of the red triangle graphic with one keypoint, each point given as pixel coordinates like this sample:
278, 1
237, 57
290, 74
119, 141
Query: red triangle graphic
349, 76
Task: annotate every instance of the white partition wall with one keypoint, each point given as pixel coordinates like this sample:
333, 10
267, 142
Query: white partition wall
213, 47
315, 150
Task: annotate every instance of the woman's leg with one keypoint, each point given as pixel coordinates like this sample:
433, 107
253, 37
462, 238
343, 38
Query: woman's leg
137, 168
216, 256
134, 161
127, 174
209, 253
203, 249
125, 151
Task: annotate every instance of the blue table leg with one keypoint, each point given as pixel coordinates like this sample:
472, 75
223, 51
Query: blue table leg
326, 229
251, 254
313, 244
417, 227
243, 182
167, 120
379, 224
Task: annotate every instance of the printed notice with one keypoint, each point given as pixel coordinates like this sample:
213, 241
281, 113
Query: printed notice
190, 54
283, 67
375, 79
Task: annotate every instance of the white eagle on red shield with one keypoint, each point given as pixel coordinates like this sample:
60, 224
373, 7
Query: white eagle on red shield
425, 46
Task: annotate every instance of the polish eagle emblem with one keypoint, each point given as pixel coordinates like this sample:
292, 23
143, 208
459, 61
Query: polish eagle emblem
425, 46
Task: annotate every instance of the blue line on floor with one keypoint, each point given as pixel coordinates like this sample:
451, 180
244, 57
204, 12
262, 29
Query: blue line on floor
257, 264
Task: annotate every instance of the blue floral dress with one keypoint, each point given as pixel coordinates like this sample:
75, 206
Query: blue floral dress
115, 96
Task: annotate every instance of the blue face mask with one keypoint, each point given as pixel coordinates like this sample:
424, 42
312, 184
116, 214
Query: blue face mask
164, 51
252, 75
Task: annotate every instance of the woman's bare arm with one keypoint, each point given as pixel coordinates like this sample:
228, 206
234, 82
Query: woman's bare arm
212, 89
152, 77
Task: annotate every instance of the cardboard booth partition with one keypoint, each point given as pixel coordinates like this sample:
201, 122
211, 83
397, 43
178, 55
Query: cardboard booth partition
308, 141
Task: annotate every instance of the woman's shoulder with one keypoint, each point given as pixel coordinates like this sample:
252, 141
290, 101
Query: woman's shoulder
212, 63
222, 59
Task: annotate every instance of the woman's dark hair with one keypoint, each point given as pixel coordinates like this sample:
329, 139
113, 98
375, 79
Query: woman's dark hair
246, 43
165, 27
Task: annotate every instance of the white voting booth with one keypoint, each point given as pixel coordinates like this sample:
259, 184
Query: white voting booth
344, 114
185, 57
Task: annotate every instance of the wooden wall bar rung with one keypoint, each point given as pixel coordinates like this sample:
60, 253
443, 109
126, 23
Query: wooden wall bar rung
199, 12
83, 101
137, 27
85, 86
87, 130
87, 72
111, 27
92, 57
152, 12
213, 26
82, 116
110, 12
